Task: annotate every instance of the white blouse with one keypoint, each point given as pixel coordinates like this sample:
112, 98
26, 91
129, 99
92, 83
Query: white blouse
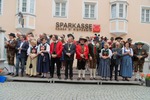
128, 50
47, 47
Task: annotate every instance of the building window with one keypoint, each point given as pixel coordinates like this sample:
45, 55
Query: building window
27, 6
113, 11
24, 5
32, 4
119, 10
145, 15
60, 9
89, 11
1, 5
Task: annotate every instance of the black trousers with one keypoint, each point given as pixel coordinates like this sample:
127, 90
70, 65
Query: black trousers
69, 66
81, 64
52, 67
113, 64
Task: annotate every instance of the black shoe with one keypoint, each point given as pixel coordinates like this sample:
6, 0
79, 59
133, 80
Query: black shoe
140, 80
110, 79
83, 78
12, 74
135, 79
91, 78
123, 79
16, 75
59, 77
95, 78
126, 79
71, 78
22, 75
78, 78
116, 80
51, 77
43, 77
9, 74
66, 78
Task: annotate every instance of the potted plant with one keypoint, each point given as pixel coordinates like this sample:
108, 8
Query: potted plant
147, 80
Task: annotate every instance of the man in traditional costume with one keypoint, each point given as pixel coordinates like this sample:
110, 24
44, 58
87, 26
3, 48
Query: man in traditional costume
82, 52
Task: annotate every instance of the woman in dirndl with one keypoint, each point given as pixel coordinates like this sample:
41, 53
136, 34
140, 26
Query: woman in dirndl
126, 64
32, 59
43, 64
104, 66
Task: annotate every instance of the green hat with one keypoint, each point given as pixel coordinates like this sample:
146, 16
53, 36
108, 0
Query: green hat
139, 43
129, 39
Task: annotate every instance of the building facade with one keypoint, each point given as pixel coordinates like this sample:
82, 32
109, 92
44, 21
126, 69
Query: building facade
126, 18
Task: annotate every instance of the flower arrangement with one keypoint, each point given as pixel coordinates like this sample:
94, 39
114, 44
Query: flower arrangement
147, 77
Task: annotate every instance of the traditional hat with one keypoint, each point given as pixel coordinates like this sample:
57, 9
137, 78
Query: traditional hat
105, 38
118, 38
139, 43
71, 35
12, 34
112, 38
129, 39
83, 38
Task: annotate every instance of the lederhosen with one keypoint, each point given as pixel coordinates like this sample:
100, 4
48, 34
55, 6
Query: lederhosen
138, 64
93, 62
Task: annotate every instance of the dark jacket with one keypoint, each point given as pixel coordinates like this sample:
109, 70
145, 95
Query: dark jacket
11, 48
24, 47
91, 50
72, 51
141, 52
116, 58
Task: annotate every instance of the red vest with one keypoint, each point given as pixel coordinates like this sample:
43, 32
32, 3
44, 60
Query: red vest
79, 51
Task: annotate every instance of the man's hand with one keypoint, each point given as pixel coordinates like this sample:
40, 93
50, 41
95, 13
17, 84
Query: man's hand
54, 55
19, 48
114, 53
82, 56
68, 54
42, 54
90, 58
139, 57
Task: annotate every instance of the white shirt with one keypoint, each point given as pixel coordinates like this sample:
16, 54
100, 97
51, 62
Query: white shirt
21, 46
128, 50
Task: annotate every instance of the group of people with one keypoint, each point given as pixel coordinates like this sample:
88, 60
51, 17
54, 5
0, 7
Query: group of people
102, 56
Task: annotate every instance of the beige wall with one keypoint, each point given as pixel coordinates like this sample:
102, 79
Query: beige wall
45, 22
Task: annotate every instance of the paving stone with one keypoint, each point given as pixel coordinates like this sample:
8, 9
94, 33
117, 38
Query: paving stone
47, 91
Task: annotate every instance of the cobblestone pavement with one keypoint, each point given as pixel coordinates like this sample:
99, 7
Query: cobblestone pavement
47, 91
